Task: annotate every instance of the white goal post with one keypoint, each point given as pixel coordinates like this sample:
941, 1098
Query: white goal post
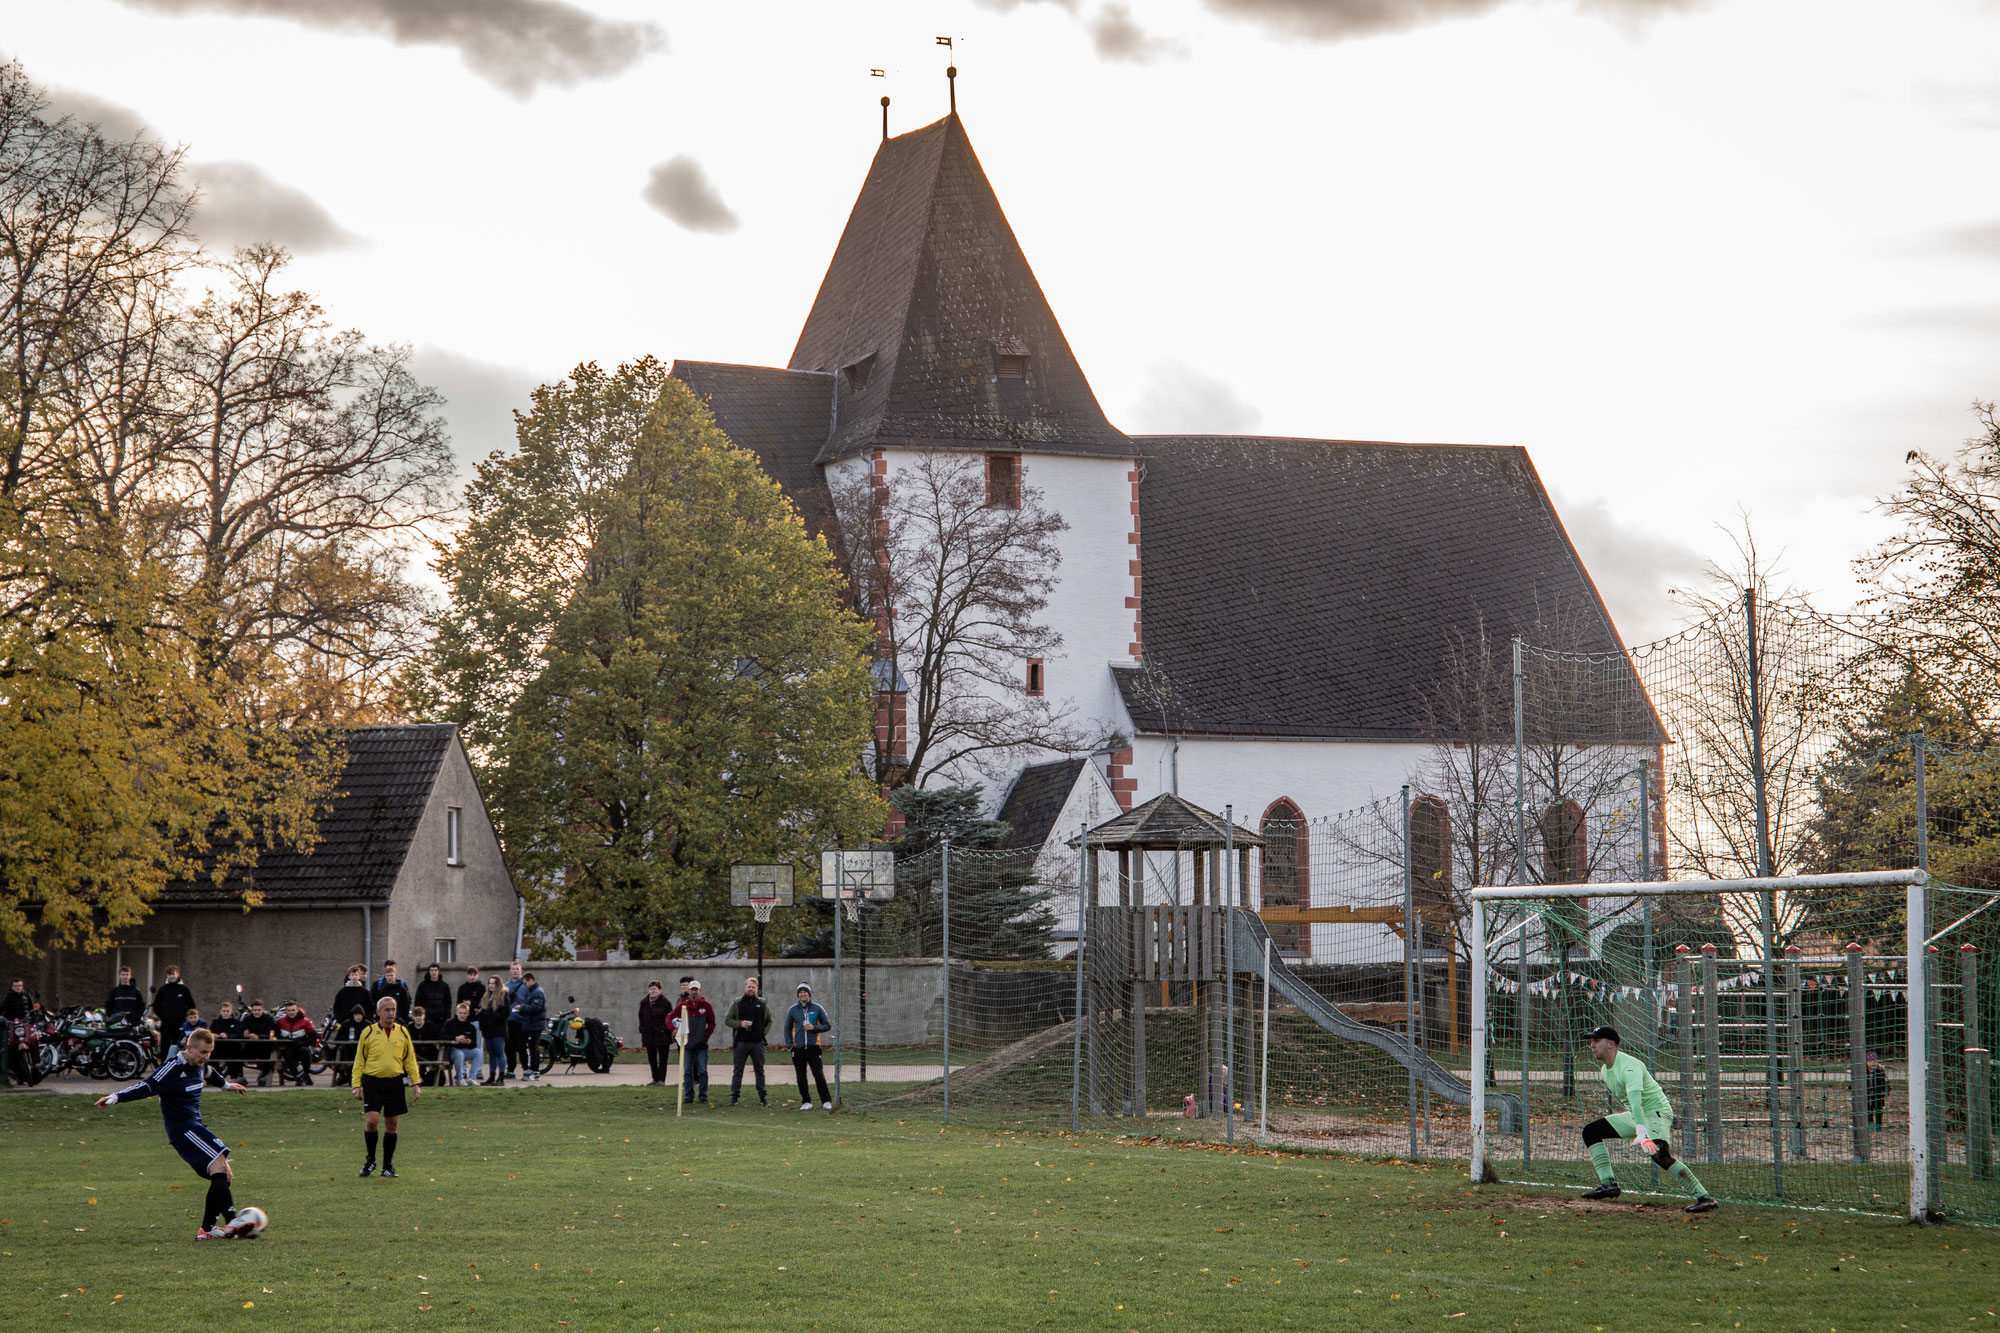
1914, 883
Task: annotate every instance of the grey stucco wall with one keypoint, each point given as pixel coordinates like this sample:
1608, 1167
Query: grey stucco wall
473, 903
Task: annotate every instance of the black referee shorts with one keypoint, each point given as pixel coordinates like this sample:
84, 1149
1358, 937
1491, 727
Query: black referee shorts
386, 1095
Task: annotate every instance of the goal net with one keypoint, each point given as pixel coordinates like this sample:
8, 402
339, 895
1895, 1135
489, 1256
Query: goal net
1777, 1015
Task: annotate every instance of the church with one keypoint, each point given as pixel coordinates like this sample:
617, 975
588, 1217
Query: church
1245, 621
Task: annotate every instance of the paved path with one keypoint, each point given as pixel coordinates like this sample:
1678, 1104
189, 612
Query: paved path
624, 1074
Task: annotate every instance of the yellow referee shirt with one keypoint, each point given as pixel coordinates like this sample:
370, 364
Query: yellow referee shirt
386, 1055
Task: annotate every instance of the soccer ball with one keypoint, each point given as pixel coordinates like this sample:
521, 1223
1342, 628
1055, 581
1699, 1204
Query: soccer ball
248, 1222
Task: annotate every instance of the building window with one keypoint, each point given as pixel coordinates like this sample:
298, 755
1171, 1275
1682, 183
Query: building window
1285, 872
857, 374
1003, 481
1011, 366
1430, 860
454, 821
1034, 675
444, 951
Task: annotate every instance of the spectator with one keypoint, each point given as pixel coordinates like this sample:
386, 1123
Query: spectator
346, 1038
434, 994
749, 1022
228, 1026
461, 1036
1878, 1090
389, 987
472, 990
696, 1019
298, 1033
655, 1034
353, 993
492, 1018
258, 1025
188, 1024
531, 1008
17, 1005
804, 1022
516, 1044
427, 1032
125, 1006
171, 1003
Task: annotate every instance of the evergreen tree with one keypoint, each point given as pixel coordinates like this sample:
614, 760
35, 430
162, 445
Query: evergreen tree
998, 910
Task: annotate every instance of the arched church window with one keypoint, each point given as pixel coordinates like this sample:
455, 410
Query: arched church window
1430, 852
1287, 873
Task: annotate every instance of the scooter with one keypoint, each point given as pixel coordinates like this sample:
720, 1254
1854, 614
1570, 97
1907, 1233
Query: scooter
574, 1040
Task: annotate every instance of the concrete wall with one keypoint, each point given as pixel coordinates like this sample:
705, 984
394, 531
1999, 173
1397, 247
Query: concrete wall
473, 903
905, 1007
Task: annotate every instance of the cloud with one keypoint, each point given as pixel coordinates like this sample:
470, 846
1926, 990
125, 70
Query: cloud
1118, 36
1635, 570
1180, 400
1335, 20
480, 399
679, 188
112, 120
518, 45
241, 205
1982, 240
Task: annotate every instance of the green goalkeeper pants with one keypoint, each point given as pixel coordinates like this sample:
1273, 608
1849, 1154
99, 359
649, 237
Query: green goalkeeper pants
1625, 1126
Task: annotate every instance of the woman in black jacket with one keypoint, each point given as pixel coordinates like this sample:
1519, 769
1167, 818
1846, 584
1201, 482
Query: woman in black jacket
350, 996
434, 994
491, 1015
654, 1032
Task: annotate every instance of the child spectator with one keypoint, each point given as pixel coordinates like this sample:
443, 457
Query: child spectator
461, 1036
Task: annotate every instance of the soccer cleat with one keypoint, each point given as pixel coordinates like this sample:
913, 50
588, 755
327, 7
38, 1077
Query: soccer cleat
1702, 1205
238, 1228
1608, 1190
368, 1168
215, 1233
389, 1173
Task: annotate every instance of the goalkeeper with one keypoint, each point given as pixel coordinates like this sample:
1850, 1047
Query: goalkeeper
1647, 1118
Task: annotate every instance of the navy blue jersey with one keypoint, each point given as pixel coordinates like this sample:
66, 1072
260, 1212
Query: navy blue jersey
178, 1085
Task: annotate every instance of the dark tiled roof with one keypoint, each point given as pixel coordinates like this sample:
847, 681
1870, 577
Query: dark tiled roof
1311, 587
930, 282
1036, 800
365, 832
1167, 823
781, 416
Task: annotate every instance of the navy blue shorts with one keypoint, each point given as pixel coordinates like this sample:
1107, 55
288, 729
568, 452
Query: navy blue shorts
198, 1147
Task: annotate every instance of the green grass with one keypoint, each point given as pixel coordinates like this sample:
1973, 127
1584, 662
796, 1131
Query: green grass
596, 1208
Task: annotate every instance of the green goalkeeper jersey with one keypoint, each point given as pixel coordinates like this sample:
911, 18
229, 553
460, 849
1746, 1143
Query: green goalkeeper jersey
1636, 1091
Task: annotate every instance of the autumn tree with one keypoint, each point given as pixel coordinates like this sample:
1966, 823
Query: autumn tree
702, 698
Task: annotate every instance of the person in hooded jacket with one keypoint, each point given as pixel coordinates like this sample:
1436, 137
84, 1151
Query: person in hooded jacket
655, 1030
353, 992
125, 1006
531, 1012
172, 1003
434, 994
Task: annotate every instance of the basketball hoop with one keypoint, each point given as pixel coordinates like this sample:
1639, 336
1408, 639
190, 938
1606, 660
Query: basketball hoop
761, 908
853, 906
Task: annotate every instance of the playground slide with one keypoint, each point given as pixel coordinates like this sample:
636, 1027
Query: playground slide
1250, 937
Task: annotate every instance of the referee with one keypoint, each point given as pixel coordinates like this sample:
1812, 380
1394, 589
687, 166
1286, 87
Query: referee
385, 1062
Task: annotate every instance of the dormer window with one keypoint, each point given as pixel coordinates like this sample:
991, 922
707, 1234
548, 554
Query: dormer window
1012, 366
1035, 676
857, 374
1003, 481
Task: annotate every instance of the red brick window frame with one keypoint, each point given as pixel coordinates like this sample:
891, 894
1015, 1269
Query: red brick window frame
1035, 677
1003, 481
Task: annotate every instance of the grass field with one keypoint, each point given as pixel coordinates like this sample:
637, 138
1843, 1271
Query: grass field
597, 1209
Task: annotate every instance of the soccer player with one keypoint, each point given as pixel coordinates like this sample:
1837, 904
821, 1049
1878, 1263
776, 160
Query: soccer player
1648, 1119
178, 1084
385, 1063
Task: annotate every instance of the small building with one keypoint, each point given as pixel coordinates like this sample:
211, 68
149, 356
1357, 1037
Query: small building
407, 866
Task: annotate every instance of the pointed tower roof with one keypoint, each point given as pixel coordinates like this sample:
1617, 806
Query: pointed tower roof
933, 324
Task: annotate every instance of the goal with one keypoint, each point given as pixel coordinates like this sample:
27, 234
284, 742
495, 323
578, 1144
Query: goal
1781, 1017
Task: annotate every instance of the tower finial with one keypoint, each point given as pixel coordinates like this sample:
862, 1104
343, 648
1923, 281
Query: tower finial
951, 78
885, 120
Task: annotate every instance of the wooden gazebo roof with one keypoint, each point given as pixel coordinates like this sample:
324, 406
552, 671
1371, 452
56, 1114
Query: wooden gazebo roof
1168, 824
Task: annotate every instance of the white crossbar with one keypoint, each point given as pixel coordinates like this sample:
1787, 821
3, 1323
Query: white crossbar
1853, 879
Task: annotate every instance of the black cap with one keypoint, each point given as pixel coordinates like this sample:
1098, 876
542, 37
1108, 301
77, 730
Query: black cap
1603, 1030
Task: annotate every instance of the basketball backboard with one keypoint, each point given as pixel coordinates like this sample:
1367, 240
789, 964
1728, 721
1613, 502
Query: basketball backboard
870, 873
752, 884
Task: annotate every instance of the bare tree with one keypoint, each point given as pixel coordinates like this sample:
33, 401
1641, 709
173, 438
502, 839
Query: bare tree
956, 587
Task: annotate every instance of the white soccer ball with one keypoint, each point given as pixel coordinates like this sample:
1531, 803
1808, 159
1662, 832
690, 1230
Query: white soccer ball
249, 1221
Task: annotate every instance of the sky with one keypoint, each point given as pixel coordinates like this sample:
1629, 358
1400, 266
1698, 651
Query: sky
1709, 261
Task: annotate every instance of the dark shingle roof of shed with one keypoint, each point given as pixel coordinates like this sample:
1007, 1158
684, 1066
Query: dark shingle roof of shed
1036, 801
364, 832
1167, 822
1312, 587
929, 280
781, 416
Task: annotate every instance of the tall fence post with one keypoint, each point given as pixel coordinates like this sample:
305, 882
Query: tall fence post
1711, 1049
1264, 1057
944, 863
1684, 1032
1795, 1050
1409, 941
1520, 877
1479, 1052
1978, 1080
1857, 1049
1082, 915
1769, 898
1229, 972
1917, 1023
839, 910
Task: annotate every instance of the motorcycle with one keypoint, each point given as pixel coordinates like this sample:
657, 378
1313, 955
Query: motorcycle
24, 1051
80, 1041
575, 1040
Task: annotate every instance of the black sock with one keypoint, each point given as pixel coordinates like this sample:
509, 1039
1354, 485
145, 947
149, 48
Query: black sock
388, 1150
220, 1203
368, 1137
